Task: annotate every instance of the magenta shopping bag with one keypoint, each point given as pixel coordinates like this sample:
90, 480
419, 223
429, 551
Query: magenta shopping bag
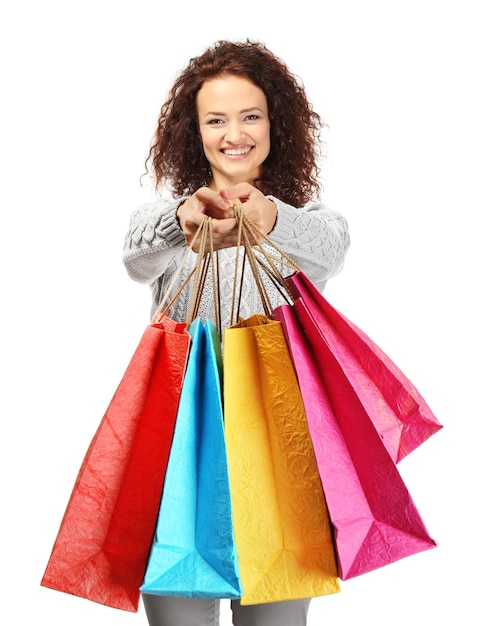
400, 414
374, 518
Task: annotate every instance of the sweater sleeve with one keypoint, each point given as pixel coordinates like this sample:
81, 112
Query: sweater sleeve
315, 237
153, 240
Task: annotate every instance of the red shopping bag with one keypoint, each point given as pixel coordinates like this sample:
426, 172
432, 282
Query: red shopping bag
102, 546
399, 412
374, 518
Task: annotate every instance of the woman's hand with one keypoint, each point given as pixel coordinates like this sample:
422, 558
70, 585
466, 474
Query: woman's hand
260, 210
219, 206
208, 203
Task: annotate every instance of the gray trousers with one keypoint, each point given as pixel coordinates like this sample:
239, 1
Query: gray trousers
172, 611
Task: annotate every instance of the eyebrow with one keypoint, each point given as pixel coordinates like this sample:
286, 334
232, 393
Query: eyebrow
241, 112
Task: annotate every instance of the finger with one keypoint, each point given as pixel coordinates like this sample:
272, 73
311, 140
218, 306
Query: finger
222, 227
211, 198
220, 213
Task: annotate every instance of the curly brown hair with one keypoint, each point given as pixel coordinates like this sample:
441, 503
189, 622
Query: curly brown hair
290, 171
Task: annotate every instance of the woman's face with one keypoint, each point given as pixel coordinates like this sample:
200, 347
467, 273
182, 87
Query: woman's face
235, 129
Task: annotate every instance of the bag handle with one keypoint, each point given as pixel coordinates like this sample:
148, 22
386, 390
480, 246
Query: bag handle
199, 272
203, 264
263, 263
258, 236
251, 238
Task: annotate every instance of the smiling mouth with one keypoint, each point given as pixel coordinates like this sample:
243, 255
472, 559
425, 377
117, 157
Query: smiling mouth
237, 151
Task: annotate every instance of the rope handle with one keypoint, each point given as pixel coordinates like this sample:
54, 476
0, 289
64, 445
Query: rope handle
258, 236
203, 264
251, 238
262, 262
200, 269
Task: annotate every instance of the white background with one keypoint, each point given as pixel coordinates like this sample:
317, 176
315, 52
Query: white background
403, 87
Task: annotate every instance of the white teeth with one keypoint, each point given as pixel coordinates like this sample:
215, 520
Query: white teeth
237, 151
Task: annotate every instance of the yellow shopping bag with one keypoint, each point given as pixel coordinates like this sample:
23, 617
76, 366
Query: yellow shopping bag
281, 524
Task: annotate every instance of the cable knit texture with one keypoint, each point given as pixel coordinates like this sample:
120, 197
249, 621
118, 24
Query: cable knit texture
315, 237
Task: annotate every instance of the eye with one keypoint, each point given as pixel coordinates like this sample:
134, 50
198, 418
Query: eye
253, 117
215, 121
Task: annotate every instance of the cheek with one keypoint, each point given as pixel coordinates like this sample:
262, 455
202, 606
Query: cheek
209, 140
266, 138
266, 144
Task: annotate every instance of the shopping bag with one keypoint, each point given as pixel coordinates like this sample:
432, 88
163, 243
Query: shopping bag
374, 518
399, 412
102, 546
194, 554
282, 530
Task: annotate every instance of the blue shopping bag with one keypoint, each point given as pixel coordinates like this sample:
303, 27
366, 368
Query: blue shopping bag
194, 554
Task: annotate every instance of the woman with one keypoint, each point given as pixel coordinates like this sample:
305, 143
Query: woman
236, 125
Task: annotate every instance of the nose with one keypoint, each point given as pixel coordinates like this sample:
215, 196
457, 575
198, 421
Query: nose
234, 131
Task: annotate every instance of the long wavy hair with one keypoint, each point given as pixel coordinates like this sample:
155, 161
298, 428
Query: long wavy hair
291, 169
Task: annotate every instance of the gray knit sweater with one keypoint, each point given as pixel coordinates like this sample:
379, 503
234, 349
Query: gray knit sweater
315, 237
